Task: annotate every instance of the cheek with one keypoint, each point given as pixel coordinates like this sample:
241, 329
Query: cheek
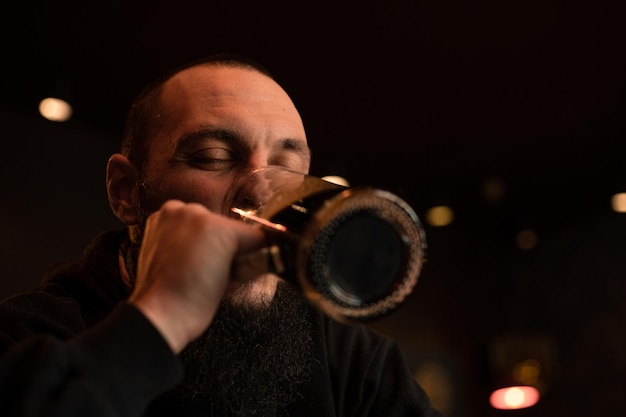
209, 193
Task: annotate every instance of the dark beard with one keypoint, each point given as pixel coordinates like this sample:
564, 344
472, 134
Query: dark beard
251, 360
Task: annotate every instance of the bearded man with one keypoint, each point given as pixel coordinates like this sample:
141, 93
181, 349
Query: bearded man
150, 322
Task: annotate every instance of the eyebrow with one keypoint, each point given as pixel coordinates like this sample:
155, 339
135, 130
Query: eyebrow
296, 146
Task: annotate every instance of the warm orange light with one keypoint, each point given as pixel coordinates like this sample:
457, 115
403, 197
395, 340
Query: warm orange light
251, 216
512, 398
618, 202
55, 109
527, 372
526, 239
335, 179
439, 216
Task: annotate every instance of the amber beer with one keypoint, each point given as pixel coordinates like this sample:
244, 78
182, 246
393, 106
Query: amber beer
356, 253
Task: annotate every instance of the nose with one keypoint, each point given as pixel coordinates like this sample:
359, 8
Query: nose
257, 159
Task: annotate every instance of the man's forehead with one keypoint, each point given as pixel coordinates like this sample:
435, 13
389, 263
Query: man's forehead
211, 97
219, 77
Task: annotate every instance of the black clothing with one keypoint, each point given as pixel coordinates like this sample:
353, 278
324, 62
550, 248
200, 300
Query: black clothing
74, 347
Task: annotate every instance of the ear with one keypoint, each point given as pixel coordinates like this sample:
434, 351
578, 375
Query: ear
122, 181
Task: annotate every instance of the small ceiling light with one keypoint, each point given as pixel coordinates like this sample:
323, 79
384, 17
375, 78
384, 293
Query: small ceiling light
618, 202
494, 190
439, 216
526, 239
55, 109
521, 368
513, 398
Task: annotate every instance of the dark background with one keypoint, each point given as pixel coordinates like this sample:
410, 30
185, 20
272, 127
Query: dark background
430, 100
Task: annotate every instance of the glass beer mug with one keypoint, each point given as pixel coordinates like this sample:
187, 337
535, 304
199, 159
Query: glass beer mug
355, 253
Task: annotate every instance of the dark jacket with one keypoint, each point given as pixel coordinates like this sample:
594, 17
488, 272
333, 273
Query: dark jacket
74, 347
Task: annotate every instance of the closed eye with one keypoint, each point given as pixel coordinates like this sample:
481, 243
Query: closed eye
293, 154
290, 160
212, 159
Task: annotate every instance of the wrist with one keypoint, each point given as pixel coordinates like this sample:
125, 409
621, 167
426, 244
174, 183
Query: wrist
174, 326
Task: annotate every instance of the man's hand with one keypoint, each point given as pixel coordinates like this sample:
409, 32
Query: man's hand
184, 267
